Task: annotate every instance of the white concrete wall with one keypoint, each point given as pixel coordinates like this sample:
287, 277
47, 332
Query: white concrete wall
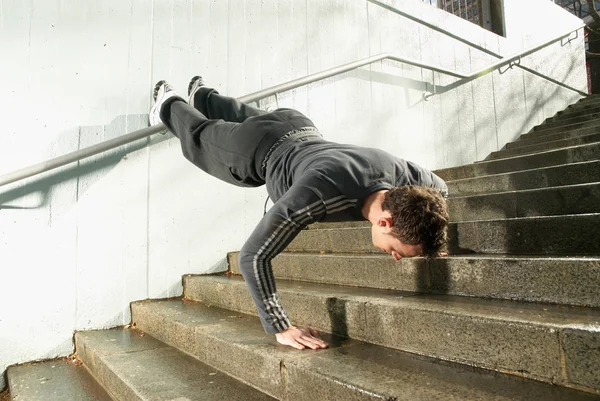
79, 244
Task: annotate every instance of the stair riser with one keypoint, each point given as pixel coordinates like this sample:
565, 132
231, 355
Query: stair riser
564, 281
536, 236
571, 120
573, 112
562, 235
548, 202
513, 347
584, 103
136, 366
591, 127
113, 384
543, 147
207, 342
252, 361
53, 380
570, 174
520, 143
348, 370
546, 159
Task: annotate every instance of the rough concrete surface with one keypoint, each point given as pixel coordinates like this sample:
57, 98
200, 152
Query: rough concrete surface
554, 235
568, 281
582, 356
533, 140
58, 380
133, 366
572, 199
573, 154
348, 370
550, 145
566, 174
512, 336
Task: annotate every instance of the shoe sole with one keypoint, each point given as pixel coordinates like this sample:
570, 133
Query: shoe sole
157, 88
192, 82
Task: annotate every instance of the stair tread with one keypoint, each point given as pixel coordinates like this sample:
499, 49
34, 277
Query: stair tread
524, 142
550, 280
363, 225
540, 152
478, 256
509, 154
513, 311
550, 144
567, 123
590, 185
354, 370
57, 380
490, 176
155, 371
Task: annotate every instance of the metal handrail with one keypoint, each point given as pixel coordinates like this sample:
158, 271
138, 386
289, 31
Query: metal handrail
470, 43
145, 132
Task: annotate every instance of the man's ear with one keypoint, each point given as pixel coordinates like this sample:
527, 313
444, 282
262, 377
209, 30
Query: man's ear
385, 222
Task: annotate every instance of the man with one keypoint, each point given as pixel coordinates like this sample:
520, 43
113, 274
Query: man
309, 180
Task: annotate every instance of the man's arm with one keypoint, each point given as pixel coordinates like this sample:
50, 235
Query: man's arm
299, 207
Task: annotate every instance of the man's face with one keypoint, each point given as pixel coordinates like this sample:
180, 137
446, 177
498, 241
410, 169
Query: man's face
385, 241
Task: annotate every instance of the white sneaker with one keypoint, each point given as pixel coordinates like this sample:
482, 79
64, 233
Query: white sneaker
162, 91
195, 83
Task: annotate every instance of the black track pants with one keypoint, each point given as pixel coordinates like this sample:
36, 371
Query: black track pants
226, 138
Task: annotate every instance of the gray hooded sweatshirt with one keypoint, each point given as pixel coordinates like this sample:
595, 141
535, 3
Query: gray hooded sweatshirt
311, 180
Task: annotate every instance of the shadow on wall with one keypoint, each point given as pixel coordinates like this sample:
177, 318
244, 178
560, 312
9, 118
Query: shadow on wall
499, 237
43, 185
503, 240
482, 125
385, 78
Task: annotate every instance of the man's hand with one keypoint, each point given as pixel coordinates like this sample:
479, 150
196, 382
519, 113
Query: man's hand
300, 338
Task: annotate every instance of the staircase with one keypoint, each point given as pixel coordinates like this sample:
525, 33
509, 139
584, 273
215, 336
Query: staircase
512, 314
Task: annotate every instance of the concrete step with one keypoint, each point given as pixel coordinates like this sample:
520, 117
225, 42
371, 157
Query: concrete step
57, 380
572, 199
573, 112
591, 98
549, 158
549, 138
588, 100
347, 370
134, 366
567, 281
517, 337
555, 235
589, 127
567, 120
541, 147
566, 174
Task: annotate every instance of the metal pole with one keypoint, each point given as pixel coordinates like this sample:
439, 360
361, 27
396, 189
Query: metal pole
145, 132
507, 60
79, 154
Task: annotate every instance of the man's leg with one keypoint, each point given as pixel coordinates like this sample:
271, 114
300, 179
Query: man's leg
231, 151
215, 106
211, 144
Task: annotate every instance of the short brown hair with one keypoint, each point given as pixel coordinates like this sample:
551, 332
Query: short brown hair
419, 217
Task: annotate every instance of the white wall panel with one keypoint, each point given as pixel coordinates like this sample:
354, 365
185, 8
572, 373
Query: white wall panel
85, 240
465, 109
321, 56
